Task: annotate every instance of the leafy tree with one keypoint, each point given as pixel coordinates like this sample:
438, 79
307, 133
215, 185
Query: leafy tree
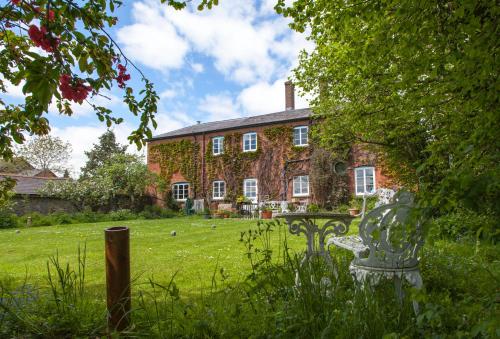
416, 81
124, 175
47, 153
76, 59
102, 152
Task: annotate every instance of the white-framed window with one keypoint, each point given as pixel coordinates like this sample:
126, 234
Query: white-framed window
301, 186
250, 189
300, 136
364, 178
218, 145
180, 191
218, 190
249, 142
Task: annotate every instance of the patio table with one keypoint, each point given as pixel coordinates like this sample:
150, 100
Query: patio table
306, 223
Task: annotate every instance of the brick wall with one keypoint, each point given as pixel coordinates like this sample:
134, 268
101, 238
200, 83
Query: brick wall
359, 157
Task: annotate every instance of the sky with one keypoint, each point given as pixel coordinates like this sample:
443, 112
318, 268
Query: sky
228, 62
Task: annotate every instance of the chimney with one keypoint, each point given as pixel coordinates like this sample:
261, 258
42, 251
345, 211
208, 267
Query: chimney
289, 96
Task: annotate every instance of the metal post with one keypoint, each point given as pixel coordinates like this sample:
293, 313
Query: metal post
118, 277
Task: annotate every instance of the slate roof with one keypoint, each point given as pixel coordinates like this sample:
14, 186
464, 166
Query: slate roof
26, 184
224, 125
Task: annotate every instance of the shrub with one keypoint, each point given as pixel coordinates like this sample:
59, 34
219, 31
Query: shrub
119, 215
466, 224
7, 219
156, 212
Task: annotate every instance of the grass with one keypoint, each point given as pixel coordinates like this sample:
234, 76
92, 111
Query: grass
459, 299
193, 253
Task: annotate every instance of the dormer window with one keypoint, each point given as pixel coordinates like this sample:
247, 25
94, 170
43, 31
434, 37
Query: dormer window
300, 136
218, 145
249, 142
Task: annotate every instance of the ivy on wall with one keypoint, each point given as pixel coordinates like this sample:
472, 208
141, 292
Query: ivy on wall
234, 165
181, 156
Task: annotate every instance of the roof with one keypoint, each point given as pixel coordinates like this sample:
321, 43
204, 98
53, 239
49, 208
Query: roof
27, 184
224, 125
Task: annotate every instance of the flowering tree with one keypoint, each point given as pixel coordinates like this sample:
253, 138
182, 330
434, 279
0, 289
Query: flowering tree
60, 52
47, 153
124, 175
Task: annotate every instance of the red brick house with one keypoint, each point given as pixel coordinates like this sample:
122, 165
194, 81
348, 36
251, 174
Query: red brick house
264, 157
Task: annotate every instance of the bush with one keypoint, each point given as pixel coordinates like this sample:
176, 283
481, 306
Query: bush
156, 212
119, 215
466, 224
7, 219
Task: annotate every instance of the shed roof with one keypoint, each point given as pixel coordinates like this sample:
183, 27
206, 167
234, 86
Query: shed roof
224, 125
26, 184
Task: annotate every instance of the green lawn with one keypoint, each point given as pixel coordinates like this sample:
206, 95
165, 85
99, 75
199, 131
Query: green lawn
193, 253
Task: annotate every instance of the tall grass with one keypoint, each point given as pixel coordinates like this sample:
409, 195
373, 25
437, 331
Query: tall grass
280, 298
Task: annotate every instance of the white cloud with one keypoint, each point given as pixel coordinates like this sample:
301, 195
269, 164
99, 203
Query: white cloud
13, 90
167, 94
82, 138
84, 109
246, 43
263, 97
198, 68
220, 107
170, 121
152, 39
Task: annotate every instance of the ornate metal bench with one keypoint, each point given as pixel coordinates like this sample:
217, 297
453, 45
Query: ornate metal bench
390, 237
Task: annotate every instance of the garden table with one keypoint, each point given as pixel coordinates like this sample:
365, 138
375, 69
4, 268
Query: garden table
336, 224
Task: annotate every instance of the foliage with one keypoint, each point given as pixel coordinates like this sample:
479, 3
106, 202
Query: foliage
329, 189
465, 223
77, 58
418, 82
10, 220
101, 152
61, 53
47, 153
121, 176
181, 156
269, 303
14, 165
7, 218
233, 165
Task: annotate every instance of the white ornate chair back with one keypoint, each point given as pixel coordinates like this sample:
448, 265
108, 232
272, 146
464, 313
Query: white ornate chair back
393, 234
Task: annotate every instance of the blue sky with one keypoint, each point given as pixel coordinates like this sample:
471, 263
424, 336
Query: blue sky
224, 63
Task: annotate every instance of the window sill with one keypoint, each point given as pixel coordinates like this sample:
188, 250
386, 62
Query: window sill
300, 195
250, 150
304, 145
218, 198
367, 193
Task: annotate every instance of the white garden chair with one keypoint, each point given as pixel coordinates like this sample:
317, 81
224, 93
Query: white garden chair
389, 239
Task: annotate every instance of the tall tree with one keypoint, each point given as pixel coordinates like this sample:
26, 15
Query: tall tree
415, 80
47, 153
101, 153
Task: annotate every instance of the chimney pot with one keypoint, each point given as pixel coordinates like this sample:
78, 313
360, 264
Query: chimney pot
289, 96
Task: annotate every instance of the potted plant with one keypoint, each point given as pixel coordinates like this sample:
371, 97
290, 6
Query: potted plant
266, 212
355, 207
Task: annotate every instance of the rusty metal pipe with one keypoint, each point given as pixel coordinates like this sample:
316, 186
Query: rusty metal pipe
117, 242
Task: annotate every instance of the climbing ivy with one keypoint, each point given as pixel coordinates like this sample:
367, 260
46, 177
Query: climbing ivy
233, 165
178, 156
